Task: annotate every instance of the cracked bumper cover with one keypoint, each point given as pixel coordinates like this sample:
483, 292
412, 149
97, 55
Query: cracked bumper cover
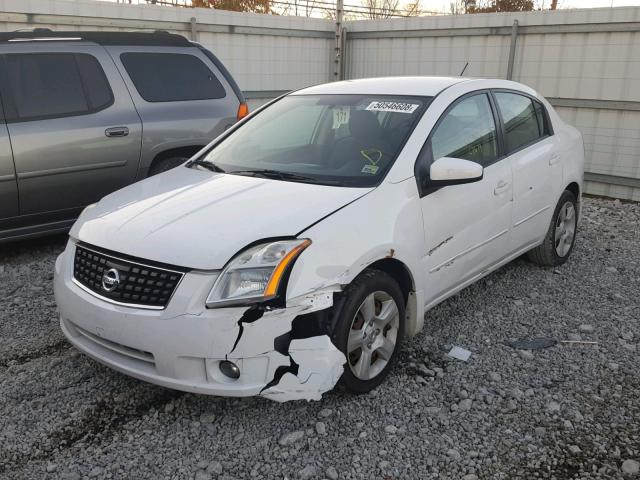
181, 347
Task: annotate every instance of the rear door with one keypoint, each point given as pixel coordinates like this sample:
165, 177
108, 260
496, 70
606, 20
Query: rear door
75, 133
182, 98
537, 170
8, 182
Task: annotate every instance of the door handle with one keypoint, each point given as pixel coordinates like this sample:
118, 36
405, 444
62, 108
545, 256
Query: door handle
116, 132
554, 158
502, 186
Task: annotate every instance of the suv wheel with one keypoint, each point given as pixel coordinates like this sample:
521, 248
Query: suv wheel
560, 239
166, 164
370, 329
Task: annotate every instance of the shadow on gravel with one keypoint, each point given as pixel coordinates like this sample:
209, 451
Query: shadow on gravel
40, 244
108, 414
101, 421
55, 349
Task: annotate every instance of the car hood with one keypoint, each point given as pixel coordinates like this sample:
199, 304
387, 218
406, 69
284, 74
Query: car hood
199, 219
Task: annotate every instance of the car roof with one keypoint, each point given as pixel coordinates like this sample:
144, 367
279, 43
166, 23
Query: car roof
420, 86
158, 38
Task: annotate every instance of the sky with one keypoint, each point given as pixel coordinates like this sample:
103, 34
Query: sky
595, 3
444, 5
561, 3
440, 4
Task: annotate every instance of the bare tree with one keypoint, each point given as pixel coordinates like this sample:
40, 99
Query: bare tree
489, 6
256, 6
298, 8
380, 8
459, 7
413, 9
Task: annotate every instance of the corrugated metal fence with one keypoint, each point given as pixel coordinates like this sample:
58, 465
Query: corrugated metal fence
586, 62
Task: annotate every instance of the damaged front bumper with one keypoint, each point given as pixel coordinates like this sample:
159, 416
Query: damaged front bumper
182, 346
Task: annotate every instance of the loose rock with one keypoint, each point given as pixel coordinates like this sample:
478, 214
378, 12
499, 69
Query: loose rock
291, 438
630, 467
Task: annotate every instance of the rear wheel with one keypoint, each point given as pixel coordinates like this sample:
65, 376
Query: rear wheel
370, 329
561, 235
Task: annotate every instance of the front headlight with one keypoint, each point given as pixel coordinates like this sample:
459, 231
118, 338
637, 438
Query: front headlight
255, 274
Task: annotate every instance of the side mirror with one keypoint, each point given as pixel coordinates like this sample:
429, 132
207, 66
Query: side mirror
454, 171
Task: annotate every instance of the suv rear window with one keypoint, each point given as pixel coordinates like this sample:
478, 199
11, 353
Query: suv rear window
171, 77
49, 85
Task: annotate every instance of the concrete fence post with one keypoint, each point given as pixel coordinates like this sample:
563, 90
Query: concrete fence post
343, 55
338, 63
512, 49
194, 29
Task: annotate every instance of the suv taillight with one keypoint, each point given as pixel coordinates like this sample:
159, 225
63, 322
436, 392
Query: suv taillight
243, 111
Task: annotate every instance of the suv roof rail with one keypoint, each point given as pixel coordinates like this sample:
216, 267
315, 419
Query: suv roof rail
157, 38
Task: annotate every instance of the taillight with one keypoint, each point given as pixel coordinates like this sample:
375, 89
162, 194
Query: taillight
243, 111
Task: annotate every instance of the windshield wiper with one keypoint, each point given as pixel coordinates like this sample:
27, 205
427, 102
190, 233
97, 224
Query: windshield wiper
206, 164
266, 173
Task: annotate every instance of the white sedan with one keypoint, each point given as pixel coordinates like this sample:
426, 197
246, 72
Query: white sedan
303, 245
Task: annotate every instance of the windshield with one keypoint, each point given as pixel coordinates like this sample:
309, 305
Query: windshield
346, 140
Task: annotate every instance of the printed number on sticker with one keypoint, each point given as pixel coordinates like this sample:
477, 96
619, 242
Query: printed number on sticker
340, 117
398, 107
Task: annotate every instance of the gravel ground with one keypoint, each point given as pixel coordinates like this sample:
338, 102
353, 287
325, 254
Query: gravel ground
569, 411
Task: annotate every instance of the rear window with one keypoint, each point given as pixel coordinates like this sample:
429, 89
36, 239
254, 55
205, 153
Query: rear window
171, 77
49, 85
522, 124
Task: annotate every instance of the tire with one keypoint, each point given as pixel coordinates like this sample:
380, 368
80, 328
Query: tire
381, 337
166, 164
561, 235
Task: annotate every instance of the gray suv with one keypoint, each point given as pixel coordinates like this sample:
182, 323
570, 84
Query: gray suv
85, 113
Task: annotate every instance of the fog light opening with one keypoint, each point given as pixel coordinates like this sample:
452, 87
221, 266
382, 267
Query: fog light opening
229, 369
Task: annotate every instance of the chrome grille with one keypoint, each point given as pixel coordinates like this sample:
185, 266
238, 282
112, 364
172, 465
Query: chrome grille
131, 282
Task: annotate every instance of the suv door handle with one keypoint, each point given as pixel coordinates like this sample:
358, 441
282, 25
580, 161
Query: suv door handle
116, 132
554, 158
502, 186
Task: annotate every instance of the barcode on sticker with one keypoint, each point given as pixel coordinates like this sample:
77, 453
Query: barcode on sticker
398, 107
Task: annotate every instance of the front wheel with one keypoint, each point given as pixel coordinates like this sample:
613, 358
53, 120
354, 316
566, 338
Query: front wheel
561, 235
369, 329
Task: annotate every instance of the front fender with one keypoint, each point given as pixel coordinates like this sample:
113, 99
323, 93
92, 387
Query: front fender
386, 223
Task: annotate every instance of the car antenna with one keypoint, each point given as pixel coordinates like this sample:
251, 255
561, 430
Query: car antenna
465, 67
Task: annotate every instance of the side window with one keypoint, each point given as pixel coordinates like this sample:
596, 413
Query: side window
45, 85
171, 77
49, 85
521, 122
97, 87
467, 131
541, 116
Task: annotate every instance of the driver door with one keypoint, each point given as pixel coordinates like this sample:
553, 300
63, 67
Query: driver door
466, 226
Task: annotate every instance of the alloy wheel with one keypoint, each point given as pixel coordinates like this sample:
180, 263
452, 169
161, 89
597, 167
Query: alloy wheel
373, 335
565, 229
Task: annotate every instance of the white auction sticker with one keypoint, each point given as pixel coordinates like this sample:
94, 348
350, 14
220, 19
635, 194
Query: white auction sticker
398, 107
340, 117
